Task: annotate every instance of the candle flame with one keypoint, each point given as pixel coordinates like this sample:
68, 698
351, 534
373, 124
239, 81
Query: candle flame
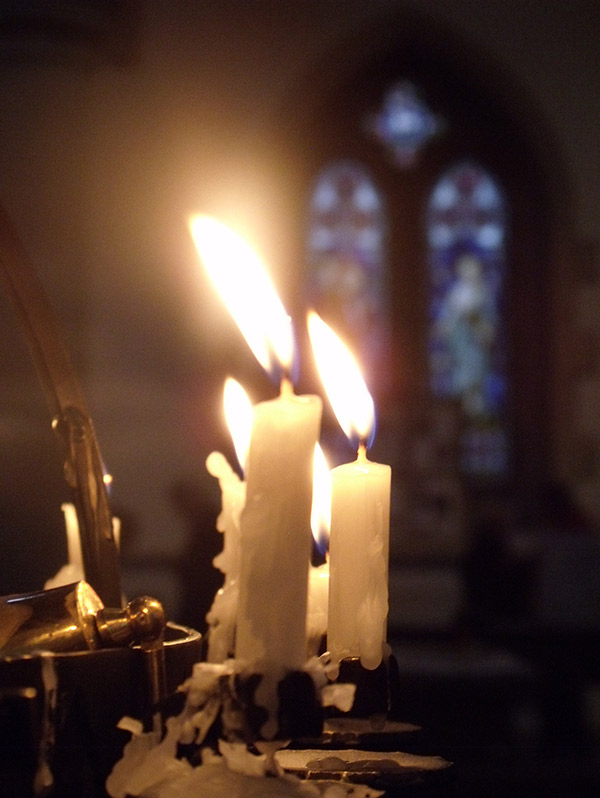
320, 517
345, 387
241, 280
238, 415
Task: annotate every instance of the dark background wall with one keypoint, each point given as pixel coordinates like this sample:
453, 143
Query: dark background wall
118, 120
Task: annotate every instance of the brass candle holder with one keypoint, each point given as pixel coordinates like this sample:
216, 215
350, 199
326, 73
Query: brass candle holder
73, 661
69, 673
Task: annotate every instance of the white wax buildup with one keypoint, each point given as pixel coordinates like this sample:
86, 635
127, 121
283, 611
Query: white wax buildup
223, 612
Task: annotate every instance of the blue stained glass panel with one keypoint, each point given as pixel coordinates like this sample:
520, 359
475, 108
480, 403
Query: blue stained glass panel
347, 261
466, 230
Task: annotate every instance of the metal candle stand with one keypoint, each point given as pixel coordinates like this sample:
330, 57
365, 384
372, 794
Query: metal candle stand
370, 744
73, 662
372, 719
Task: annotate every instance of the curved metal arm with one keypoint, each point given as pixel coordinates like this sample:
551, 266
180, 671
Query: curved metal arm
70, 419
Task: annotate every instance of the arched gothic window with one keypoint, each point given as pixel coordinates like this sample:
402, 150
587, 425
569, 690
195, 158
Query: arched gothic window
347, 261
467, 411
466, 241
466, 231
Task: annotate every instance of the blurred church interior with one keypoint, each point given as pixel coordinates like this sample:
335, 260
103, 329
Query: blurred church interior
427, 175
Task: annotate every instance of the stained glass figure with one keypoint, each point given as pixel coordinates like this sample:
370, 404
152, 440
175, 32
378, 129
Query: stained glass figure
404, 124
347, 261
466, 229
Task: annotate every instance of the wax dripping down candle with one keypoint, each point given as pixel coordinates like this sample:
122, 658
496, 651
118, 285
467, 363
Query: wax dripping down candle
222, 615
360, 506
275, 523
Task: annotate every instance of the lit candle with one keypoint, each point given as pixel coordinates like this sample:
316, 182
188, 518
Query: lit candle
275, 523
276, 541
73, 541
318, 579
360, 507
222, 615
73, 570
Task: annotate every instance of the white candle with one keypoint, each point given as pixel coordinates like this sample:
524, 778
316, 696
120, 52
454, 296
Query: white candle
318, 577
275, 523
276, 541
360, 508
73, 541
358, 558
318, 607
73, 570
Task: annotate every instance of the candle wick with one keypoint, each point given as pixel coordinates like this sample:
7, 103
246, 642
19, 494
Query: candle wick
362, 450
287, 389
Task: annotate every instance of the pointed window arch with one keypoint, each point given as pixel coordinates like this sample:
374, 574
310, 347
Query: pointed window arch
466, 246
347, 260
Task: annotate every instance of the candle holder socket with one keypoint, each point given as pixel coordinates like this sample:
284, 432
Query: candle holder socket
299, 711
377, 691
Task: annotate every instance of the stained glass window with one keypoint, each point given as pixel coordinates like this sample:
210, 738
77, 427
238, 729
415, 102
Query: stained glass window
347, 260
404, 124
466, 230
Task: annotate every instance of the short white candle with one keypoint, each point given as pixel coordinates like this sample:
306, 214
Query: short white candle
318, 577
360, 509
358, 558
73, 542
73, 570
318, 607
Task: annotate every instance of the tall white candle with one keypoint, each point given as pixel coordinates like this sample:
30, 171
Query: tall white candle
360, 509
276, 542
275, 523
